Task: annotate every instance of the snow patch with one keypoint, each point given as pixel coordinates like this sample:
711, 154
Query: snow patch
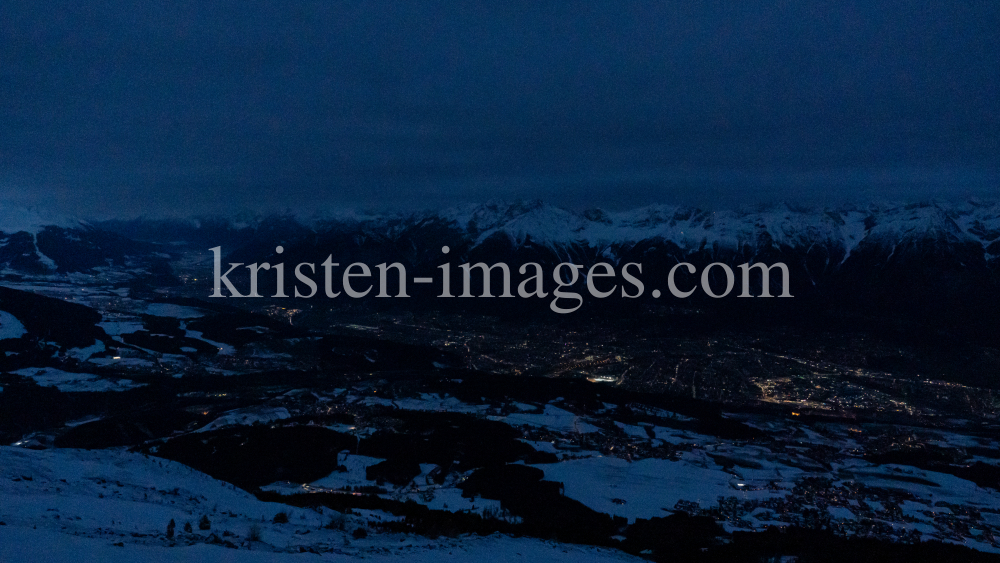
75, 382
10, 327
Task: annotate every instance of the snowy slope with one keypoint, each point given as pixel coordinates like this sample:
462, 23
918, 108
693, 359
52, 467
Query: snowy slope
75, 505
10, 327
14, 219
27, 545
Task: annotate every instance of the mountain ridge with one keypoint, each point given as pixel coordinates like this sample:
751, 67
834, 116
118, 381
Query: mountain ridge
689, 227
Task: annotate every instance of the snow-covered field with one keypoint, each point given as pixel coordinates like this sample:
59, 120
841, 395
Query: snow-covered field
75, 382
246, 417
648, 488
27, 545
553, 418
107, 506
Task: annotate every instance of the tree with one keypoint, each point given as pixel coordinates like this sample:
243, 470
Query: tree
170, 528
204, 523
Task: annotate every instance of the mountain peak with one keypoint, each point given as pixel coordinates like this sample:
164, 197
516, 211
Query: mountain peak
16, 218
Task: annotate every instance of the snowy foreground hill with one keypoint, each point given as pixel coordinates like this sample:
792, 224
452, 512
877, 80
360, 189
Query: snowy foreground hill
81, 506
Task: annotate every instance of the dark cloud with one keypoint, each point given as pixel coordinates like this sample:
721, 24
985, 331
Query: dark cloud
187, 106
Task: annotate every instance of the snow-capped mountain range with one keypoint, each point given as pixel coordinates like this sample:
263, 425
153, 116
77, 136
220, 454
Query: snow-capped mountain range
783, 225
877, 255
539, 224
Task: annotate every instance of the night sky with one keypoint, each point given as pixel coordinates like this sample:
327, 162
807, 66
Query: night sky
153, 108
